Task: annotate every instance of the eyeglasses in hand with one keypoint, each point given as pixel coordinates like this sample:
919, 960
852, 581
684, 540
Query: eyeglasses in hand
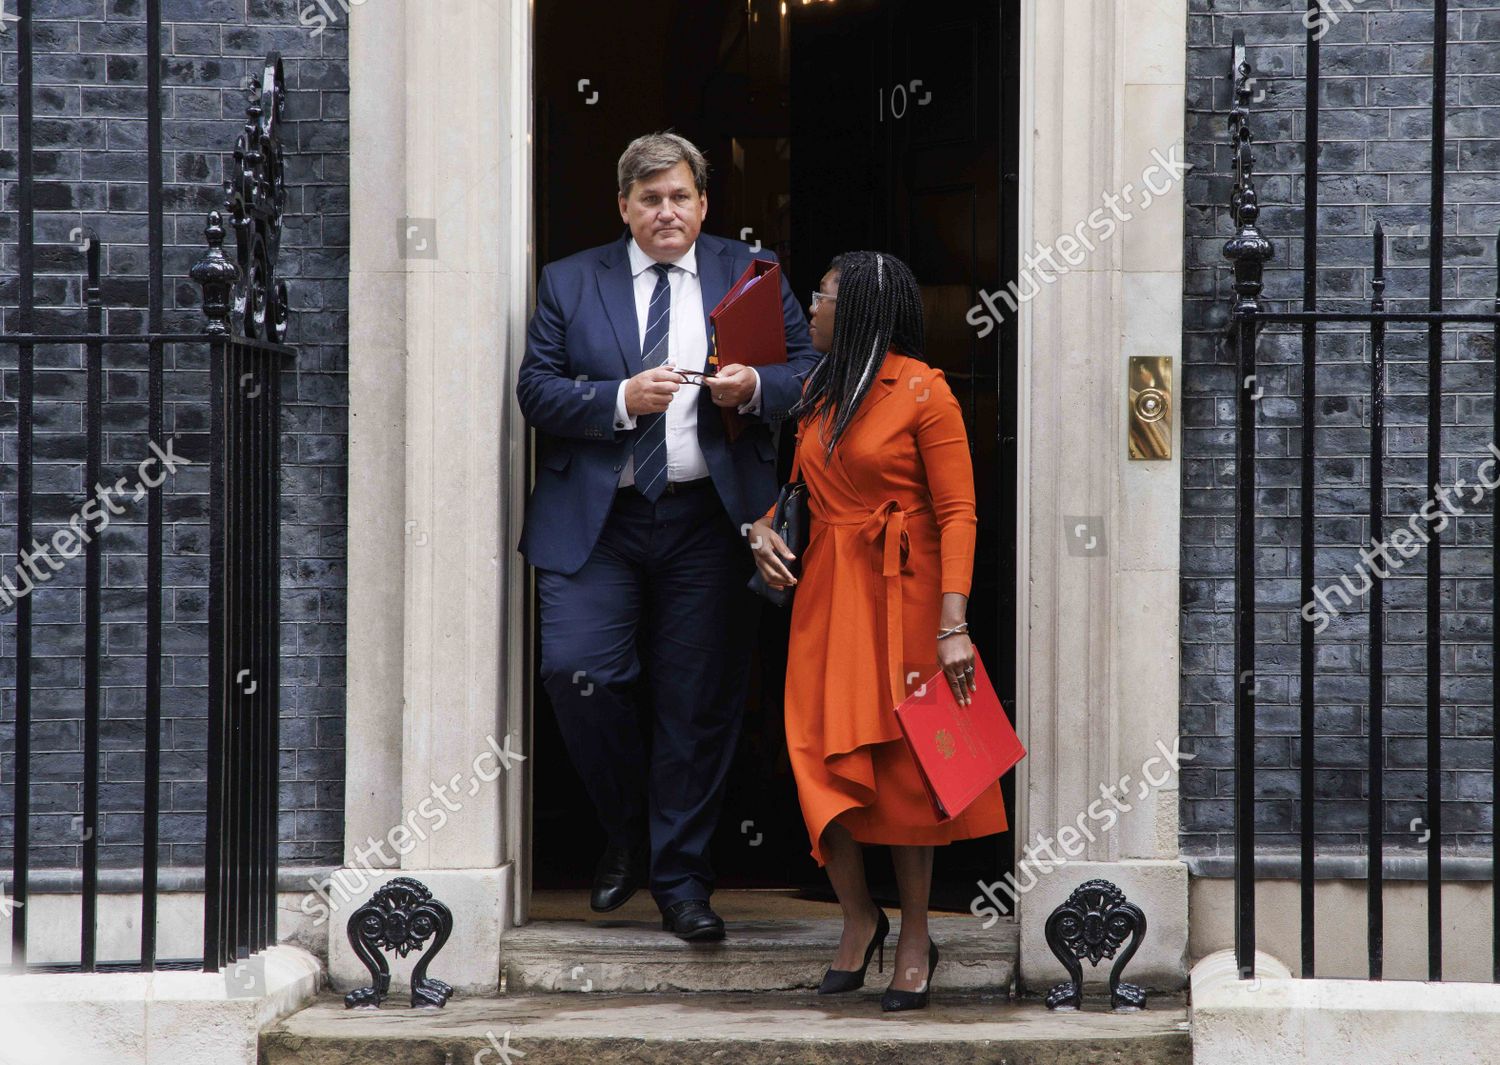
704, 378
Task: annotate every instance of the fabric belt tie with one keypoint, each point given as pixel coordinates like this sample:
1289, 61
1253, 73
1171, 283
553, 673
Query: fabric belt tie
885, 531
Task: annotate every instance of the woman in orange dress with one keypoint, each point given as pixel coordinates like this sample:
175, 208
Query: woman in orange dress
879, 606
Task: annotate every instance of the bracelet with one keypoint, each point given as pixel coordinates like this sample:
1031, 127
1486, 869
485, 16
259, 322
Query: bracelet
962, 626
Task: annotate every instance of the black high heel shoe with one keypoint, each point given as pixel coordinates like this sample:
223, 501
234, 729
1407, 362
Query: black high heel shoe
896, 999
836, 981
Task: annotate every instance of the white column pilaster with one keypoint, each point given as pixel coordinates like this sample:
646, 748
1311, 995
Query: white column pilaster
441, 191
1103, 84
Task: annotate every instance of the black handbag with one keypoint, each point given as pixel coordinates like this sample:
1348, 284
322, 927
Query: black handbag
790, 521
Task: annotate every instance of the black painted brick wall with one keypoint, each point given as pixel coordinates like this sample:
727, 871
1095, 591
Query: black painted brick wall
91, 172
1375, 158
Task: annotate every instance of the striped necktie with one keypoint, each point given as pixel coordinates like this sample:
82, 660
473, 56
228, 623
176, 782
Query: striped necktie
651, 429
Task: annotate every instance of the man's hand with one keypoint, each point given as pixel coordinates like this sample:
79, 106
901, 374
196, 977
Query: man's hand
732, 386
650, 391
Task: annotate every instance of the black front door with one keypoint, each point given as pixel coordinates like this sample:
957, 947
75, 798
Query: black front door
830, 127
904, 133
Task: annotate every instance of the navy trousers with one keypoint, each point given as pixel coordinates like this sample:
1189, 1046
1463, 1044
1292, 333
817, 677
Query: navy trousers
663, 595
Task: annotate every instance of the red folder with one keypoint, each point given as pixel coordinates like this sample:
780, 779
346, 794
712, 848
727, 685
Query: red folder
749, 328
960, 750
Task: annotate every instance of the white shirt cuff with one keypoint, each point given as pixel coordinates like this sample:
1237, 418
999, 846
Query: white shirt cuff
624, 420
752, 405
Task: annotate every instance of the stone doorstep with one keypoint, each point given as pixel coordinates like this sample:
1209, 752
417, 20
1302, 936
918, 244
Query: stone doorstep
780, 1028
639, 956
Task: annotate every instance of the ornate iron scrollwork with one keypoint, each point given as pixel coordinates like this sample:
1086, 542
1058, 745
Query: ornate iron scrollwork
1249, 250
254, 303
1092, 924
401, 916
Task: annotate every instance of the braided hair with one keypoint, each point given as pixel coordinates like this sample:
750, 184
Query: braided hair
879, 309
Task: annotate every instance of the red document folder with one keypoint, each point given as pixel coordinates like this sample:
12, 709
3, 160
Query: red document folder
960, 750
748, 327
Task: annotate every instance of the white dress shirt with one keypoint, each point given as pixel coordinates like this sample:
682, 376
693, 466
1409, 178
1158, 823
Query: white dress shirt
687, 349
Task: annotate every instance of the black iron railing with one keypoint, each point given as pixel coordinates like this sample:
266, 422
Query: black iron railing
245, 521
1249, 250
245, 305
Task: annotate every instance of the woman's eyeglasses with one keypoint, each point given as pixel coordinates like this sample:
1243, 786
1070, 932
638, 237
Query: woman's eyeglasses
820, 297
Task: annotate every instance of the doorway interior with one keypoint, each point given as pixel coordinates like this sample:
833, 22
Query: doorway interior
829, 126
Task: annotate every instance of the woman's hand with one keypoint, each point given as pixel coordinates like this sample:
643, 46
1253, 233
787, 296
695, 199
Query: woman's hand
769, 550
956, 656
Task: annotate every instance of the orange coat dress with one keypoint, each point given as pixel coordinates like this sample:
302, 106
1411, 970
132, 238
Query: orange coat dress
892, 530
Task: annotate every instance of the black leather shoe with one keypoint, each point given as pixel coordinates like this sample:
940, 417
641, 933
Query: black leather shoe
895, 999
616, 878
693, 920
837, 981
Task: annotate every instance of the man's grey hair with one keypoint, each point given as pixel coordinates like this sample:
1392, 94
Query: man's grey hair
655, 152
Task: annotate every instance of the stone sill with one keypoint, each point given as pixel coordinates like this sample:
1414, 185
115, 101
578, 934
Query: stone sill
1276, 1018
1288, 866
127, 881
110, 1018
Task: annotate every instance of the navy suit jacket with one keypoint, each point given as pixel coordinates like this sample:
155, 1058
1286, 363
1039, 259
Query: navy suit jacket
582, 342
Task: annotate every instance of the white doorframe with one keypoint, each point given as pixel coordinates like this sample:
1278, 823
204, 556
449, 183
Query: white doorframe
516, 637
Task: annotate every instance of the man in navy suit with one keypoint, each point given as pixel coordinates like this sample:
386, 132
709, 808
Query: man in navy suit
634, 524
